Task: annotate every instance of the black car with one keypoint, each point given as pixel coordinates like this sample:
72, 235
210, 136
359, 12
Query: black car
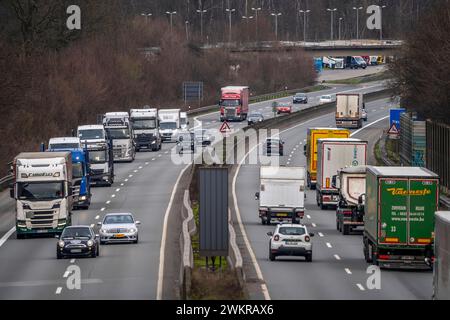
78, 241
274, 145
300, 98
254, 117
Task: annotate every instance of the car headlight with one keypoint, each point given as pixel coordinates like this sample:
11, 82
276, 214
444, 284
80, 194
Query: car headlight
154, 141
132, 230
103, 231
82, 198
90, 243
61, 244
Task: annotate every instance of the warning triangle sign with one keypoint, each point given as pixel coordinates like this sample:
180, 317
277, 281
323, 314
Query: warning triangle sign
393, 129
225, 127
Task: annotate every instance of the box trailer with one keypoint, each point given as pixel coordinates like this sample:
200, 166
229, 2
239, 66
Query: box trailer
349, 107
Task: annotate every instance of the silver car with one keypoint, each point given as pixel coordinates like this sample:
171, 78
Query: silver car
119, 227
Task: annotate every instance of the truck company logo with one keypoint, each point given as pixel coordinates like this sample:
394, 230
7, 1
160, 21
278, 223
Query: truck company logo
39, 175
403, 192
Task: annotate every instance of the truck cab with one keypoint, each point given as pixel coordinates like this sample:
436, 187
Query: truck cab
184, 121
118, 128
169, 124
42, 190
233, 103
145, 129
100, 154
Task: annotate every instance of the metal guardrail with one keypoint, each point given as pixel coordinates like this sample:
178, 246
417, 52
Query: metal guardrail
5, 181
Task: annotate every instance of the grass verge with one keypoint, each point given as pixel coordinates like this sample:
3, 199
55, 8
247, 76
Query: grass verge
357, 80
377, 153
392, 150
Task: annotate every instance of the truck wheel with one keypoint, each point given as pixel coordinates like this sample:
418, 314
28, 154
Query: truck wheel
337, 223
323, 206
20, 236
345, 230
308, 257
263, 222
59, 255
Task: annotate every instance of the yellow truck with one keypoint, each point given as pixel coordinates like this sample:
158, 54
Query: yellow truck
310, 149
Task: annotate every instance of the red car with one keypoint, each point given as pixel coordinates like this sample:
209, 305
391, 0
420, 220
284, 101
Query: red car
284, 108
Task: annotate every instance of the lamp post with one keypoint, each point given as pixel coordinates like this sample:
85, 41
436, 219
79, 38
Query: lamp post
256, 20
201, 21
276, 15
357, 21
229, 11
187, 30
171, 21
246, 19
340, 20
331, 21
304, 23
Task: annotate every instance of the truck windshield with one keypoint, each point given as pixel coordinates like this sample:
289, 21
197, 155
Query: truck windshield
40, 190
97, 156
230, 103
64, 146
77, 170
90, 134
117, 133
359, 59
182, 121
168, 125
141, 124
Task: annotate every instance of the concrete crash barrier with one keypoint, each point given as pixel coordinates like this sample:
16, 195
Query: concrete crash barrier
235, 257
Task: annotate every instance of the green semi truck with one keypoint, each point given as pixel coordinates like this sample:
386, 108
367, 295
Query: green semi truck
399, 216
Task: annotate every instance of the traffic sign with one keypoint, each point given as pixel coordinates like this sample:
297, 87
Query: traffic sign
393, 132
225, 127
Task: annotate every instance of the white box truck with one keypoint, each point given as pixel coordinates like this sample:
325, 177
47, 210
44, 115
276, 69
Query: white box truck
349, 108
169, 124
282, 194
441, 270
333, 155
42, 190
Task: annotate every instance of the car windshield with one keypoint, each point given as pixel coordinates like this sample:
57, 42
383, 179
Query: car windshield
359, 59
292, 231
284, 105
326, 97
300, 95
168, 125
97, 156
90, 134
230, 103
255, 115
76, 233
142, 124
118, 219
40, 190
117, 133
64, 146
77, 170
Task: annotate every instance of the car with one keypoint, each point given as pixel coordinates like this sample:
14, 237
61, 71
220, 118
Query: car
274, 145
290, 239
77, 241
300, 98
254, 117
364, 114
185, 142
203, 137
284, 107
327, 98
119, 227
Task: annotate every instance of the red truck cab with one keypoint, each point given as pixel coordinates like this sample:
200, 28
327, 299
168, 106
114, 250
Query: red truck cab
234, 103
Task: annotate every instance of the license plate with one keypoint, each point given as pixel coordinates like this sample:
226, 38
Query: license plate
282, 214
42, 231
75, 250
119, 235
292, 242
408, 258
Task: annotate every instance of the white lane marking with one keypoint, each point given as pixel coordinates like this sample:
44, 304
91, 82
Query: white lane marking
301, 143
320, 234
140, 167
118, 189
135, 171
368, 125
122, 184
58, 290
130, 176
126, 180
113, 196
72, 261
147, 163
102, 209
159, 155
314, 225
92, 225
337, 257
159, 289
97, 217
7, 235
66, 274
288, 163
329, 245
166, 152
348, 271
108, 202
359, 285
308, 216
153, 159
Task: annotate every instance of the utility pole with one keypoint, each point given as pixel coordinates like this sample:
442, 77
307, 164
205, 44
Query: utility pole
201, 21
230, 11
304, 23
357, 21
276, 15
331, 21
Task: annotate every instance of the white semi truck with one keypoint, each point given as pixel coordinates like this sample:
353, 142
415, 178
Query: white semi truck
333, 155
145, 129
169, 124
349, 110
282, 194
118, 128
42, 190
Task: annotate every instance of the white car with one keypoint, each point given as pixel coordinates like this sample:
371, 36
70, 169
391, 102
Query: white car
119, 227
290, 240
327, 98
364, 114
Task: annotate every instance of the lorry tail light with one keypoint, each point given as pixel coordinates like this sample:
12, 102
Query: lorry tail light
307, 238
276, 237
347, 212
300, 214
383, 257
326, 198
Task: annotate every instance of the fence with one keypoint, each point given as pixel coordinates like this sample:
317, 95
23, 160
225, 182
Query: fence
438, 152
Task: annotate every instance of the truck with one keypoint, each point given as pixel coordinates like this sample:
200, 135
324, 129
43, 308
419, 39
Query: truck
234, 103
349, 110
310, 149
80, 169
184, 120
169, 124
42, 190
281, 194
333, 155
100, 153
118, 128
145, 129
351, 183
441, 270
399, 216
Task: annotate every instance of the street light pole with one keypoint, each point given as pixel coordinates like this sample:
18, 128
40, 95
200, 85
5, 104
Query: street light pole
256, 20
357, 21
246, 19
276, 15
230, 11
146, 15
340, 19
187, 30
171, 22
201, 21
304, 23
381, 22
331, 21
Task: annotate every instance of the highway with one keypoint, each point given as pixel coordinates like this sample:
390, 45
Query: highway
29, 268
338, 269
